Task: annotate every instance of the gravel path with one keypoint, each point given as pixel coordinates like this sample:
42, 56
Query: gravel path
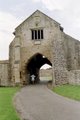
37, 102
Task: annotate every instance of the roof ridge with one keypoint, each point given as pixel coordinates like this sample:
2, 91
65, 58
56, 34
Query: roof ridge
33, 14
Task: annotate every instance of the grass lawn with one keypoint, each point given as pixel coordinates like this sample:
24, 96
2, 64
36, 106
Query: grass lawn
70, 91
7, 111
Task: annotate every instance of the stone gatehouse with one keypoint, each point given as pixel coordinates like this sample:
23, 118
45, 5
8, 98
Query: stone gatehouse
39, 40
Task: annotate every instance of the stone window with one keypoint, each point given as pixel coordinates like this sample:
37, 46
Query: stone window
37, 34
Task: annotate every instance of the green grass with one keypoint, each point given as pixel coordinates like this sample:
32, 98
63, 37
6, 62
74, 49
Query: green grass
7, 110
70, 91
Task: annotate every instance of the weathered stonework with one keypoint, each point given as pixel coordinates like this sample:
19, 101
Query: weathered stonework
55, 48
4, 73
46, 73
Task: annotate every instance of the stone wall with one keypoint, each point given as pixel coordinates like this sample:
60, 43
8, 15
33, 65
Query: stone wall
72, 52
46, 73
60, 49
4, 73
74, 77
59, 60
14, 61
72, 55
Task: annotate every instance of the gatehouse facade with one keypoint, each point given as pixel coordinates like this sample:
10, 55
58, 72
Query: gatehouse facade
41, 40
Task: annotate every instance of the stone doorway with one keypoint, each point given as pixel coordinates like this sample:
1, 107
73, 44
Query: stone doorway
33, 67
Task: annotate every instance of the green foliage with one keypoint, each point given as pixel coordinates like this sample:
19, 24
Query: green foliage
70, 91
7, 111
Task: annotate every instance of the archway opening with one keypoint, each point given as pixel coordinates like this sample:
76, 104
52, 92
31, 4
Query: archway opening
33, 67
45, 73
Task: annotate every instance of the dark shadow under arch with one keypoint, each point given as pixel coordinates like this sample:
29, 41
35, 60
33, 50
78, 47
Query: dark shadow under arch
34, 64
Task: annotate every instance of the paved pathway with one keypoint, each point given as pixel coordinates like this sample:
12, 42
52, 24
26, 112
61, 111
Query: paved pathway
37, 102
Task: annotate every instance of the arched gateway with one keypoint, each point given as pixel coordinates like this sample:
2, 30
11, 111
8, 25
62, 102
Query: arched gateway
33, 67
39, 40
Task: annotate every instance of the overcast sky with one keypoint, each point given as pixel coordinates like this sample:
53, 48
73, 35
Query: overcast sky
13, 12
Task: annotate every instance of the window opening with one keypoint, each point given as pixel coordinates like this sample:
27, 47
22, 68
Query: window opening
37, 34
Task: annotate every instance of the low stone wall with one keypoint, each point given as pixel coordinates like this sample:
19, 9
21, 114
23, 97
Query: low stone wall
74, 77
4, 74
45, 74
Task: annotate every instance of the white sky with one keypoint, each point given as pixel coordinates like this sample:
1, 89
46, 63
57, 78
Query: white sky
13, 12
